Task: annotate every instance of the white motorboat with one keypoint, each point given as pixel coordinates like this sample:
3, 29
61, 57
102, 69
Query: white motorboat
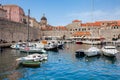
51, 46
33, 57
109, 51
32, 50
60, 44
18, 45
93, 51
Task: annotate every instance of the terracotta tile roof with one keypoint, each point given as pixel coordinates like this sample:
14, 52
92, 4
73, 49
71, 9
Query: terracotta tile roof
50, 28
11, 5
90, 25
97, 24
118, 23
84, 25
112, 23
80, 33
76, 21
100, 23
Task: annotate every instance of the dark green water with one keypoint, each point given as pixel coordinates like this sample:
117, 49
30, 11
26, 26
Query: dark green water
62, 65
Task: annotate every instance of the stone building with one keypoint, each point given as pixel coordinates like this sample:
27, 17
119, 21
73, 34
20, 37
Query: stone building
3, 13
43, 23
33, 22
14, 13
48, 31
13, 31
98, 29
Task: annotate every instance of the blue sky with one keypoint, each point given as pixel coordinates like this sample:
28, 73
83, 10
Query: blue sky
63, 12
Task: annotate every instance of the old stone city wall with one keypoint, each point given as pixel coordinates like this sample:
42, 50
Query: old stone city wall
108, 34
12, 31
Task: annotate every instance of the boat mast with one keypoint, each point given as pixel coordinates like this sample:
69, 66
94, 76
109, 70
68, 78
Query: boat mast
28, 25
28, 31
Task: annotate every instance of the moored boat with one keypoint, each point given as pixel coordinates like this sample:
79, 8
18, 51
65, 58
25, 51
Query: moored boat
79, 42
93, 51
60, 45
33, 57
51, 46
18, 45
31, 64
32, 50
80, 53
110, 51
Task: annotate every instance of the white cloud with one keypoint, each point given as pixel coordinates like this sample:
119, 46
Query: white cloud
96, 15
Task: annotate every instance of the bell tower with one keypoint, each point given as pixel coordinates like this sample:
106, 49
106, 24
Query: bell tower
43, 20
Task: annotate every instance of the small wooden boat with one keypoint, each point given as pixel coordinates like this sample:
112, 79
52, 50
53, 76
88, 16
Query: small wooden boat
31, 64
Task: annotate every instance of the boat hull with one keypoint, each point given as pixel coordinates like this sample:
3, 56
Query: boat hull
31, 64
79, 42
51, 49
108, 54
93, 51
32, 51
80, 53
109, 51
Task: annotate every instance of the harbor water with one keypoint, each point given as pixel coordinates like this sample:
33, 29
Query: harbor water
61, 65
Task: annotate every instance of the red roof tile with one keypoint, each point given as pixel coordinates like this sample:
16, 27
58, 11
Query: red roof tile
76, 21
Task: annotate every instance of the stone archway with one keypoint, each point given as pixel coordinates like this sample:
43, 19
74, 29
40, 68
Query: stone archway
64, 36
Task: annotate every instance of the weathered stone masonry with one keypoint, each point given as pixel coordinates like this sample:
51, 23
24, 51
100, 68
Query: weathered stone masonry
12, 31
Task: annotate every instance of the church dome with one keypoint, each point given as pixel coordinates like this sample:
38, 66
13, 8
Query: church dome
43, 18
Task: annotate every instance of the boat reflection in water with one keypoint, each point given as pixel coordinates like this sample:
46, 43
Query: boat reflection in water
106, 59
61, 65
111, 60
90, 59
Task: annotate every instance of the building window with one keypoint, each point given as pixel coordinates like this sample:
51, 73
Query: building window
83, 29
88, 28
116, 27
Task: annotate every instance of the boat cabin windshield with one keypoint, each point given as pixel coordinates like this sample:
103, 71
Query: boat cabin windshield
109, 47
